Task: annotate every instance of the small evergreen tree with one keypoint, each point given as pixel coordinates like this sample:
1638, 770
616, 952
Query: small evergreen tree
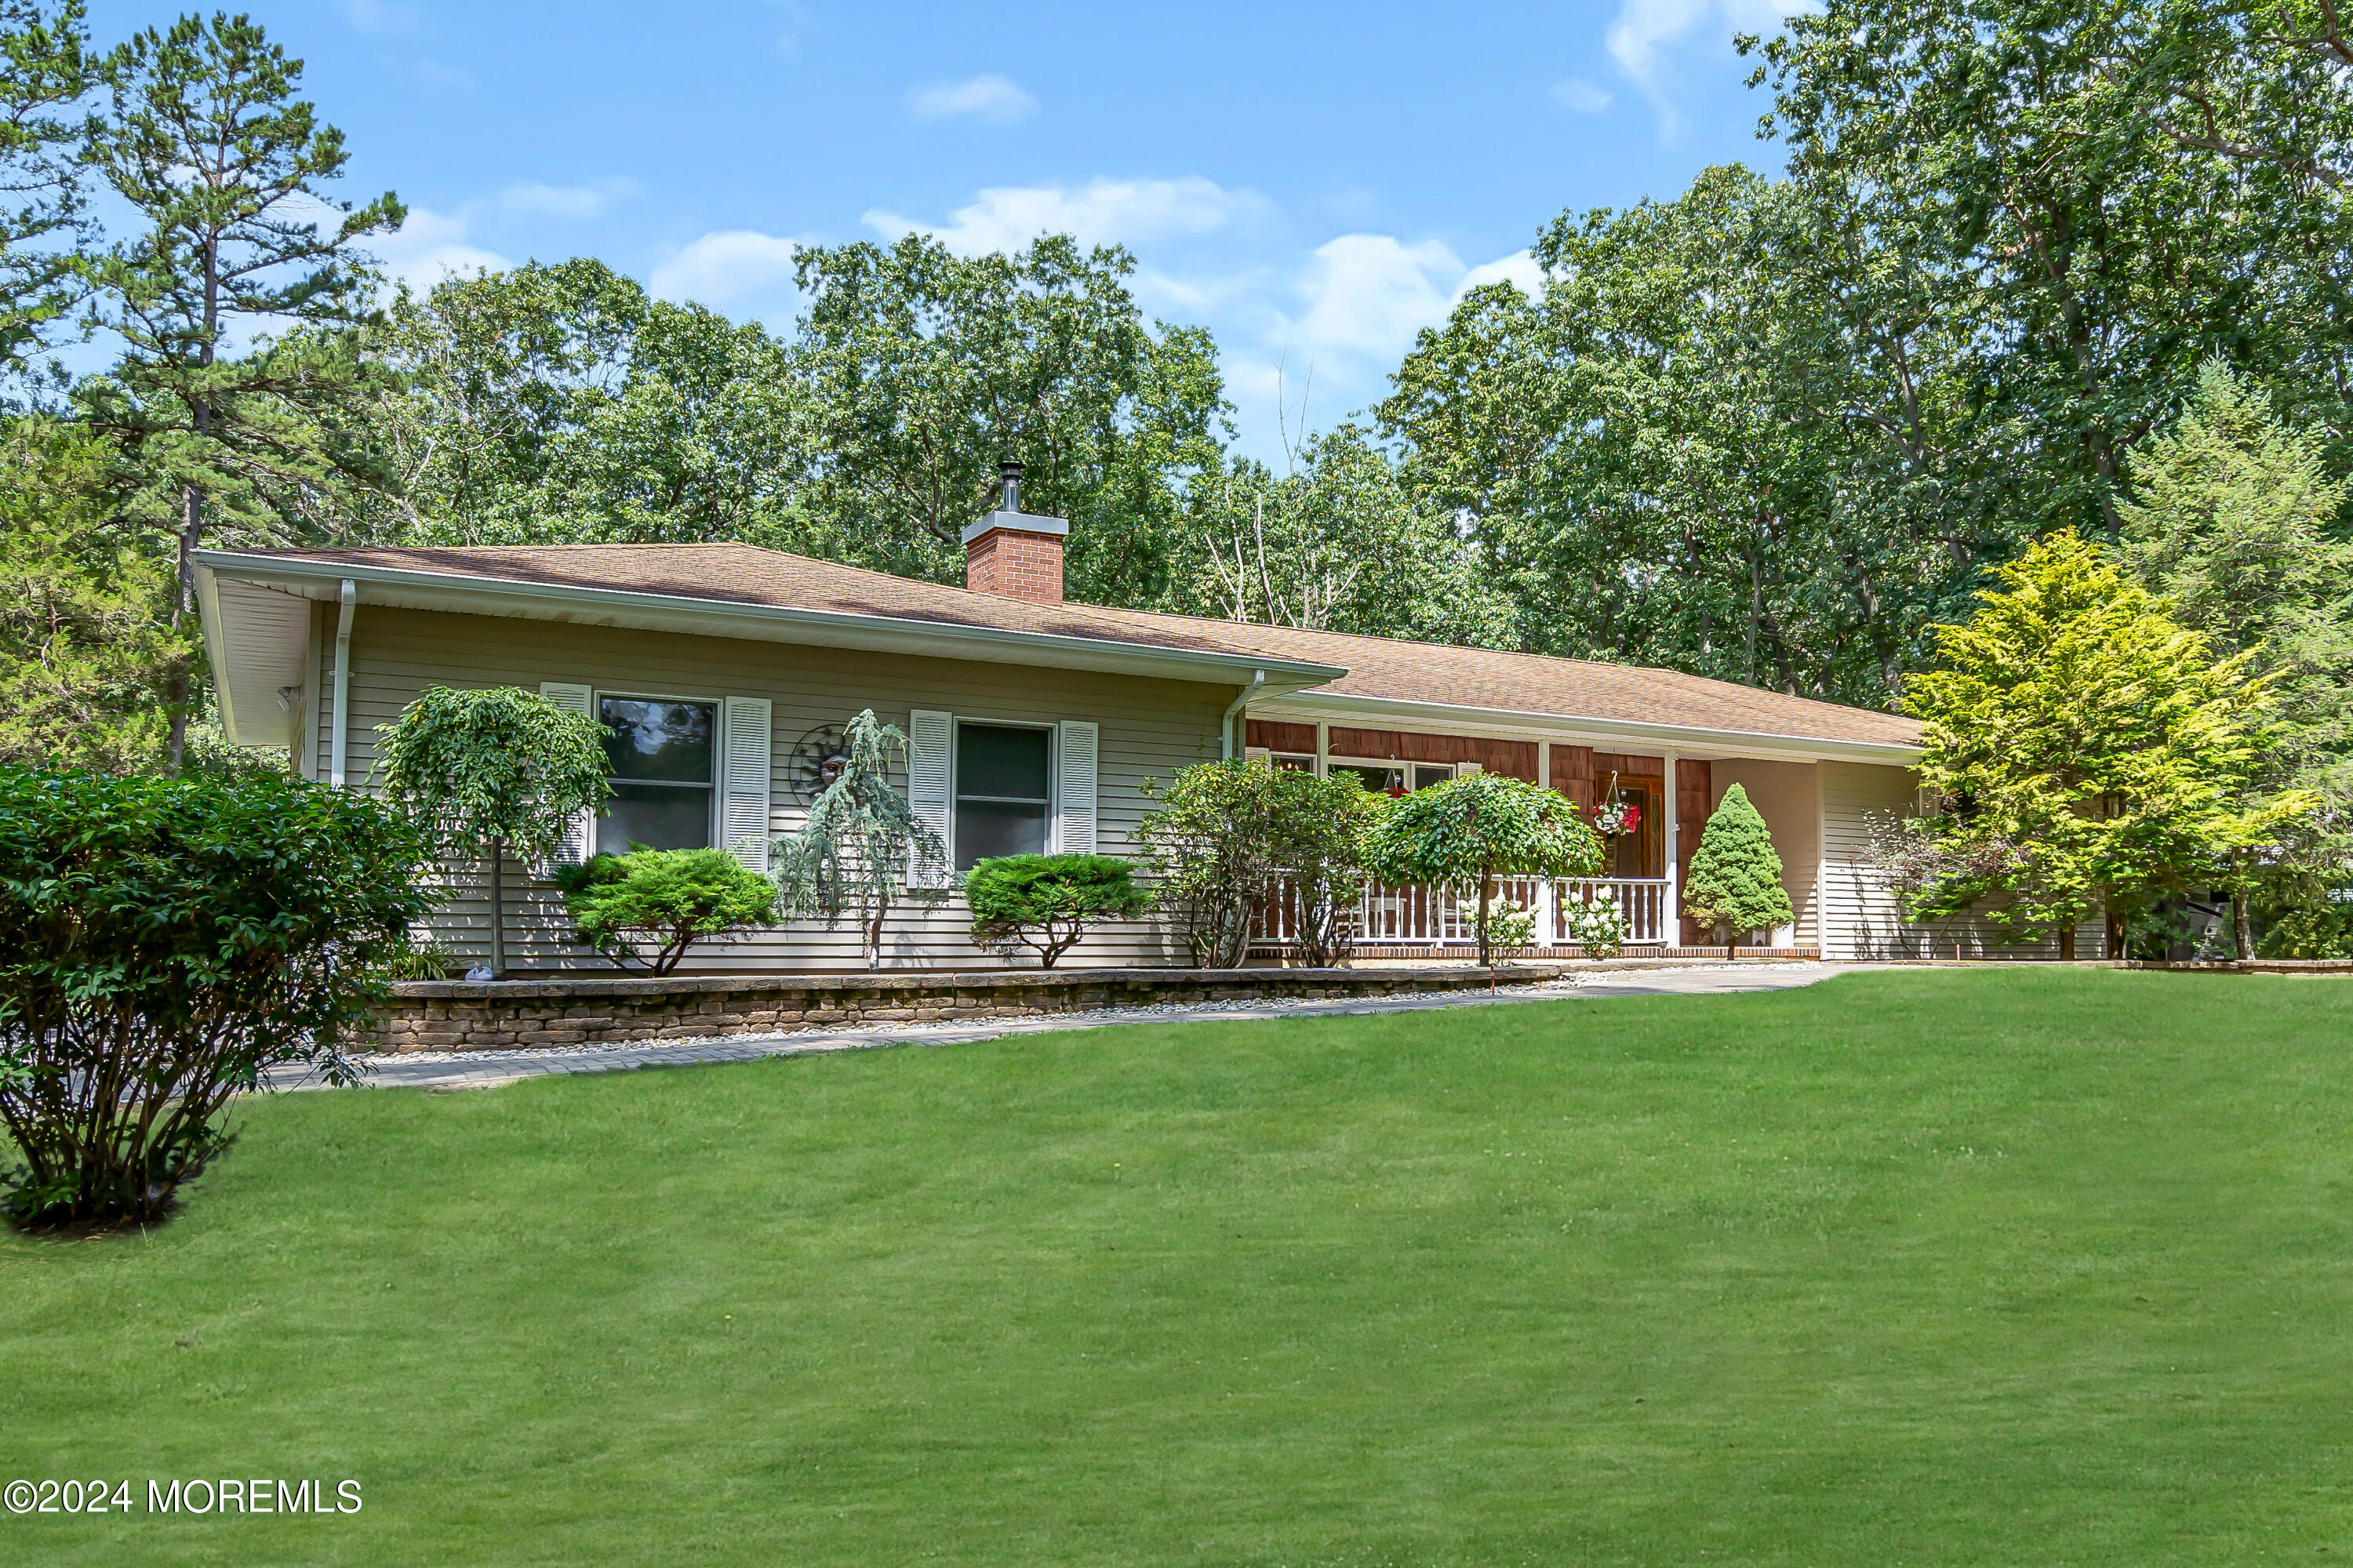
672, 897
1046, 902
861, 842
494, 773
1733, 880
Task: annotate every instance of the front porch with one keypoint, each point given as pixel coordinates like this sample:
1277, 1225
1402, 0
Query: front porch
1646, 862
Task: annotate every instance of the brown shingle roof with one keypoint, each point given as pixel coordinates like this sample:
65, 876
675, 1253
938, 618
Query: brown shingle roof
1378, 666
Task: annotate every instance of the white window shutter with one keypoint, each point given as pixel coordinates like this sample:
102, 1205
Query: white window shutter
931, 766
580, 838
1074, 788
744, 797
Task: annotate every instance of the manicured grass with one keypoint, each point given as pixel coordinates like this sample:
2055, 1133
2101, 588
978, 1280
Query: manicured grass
2022, 1266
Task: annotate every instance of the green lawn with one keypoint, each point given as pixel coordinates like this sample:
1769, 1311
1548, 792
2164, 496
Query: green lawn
2015, 1266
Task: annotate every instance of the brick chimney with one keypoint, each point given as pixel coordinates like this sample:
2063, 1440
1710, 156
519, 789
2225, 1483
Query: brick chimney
1011, 553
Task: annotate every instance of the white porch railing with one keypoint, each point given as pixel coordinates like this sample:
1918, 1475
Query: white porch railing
1431, 916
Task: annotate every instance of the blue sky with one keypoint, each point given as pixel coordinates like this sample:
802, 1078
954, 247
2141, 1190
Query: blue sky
1313, 183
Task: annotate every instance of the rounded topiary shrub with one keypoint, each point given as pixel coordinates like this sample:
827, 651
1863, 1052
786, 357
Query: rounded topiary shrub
1046, 902
164, 942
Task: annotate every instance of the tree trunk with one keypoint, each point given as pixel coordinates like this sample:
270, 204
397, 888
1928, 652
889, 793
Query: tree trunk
2116, 934
2066, 944
2243, 928
1486, 947
183, 689
498, 908
874, 932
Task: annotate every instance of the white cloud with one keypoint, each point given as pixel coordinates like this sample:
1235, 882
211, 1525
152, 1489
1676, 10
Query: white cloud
729, 270
431, 246
1104, 212
1369, 294
573, 202
1580, 96
1639, 38
1519, 268
988, 98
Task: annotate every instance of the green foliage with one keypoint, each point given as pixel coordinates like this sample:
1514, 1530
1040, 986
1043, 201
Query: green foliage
918, 370
2233, 518
491, 773
1046, 902
1229, 836
1338, 544
2307, 929
1733, 881
163, 942
861, 846
1321, 830
44, 70
2089, 749
1595, 923
560, 404
494, 767
225, 176
670, 898
1463, 834
87, 653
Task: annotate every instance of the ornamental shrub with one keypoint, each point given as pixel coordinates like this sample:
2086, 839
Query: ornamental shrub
1733, 880
1046, 902
164, 942
1465, 834
1228, 835
669, 898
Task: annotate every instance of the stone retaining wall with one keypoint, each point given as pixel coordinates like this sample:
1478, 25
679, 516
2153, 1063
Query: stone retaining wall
458, 1015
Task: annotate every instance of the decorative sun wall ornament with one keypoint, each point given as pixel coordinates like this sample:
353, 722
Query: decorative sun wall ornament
818, 761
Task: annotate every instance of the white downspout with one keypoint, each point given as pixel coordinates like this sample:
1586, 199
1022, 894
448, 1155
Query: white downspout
338, 737
1226, 730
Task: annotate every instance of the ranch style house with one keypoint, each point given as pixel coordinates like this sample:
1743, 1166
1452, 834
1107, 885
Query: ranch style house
725, 671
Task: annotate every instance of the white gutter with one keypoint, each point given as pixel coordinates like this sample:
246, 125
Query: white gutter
1690, 740
350, 596
1225, 726
728, 617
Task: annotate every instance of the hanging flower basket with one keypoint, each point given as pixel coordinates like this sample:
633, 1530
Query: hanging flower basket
1615, 817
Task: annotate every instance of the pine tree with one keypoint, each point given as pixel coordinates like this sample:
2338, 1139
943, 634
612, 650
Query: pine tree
2233, 518
1733, 880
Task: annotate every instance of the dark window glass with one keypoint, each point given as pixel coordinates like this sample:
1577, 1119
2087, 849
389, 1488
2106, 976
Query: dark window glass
1296, 764
1001, 764
659, 816
661, 754
986, 829
657, 741
1379, 779
1423, 777
1001, 792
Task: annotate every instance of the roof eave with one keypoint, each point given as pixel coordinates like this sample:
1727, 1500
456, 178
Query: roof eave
1691, 739
475, 594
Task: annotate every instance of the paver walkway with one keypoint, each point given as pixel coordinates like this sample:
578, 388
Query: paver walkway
488, 1069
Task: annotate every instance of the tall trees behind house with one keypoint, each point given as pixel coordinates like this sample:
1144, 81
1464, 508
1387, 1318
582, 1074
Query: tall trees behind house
45, 71
236, 305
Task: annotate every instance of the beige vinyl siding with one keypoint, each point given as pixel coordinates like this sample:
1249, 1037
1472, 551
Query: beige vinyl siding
1149, 728
1787, 795
1859, 920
